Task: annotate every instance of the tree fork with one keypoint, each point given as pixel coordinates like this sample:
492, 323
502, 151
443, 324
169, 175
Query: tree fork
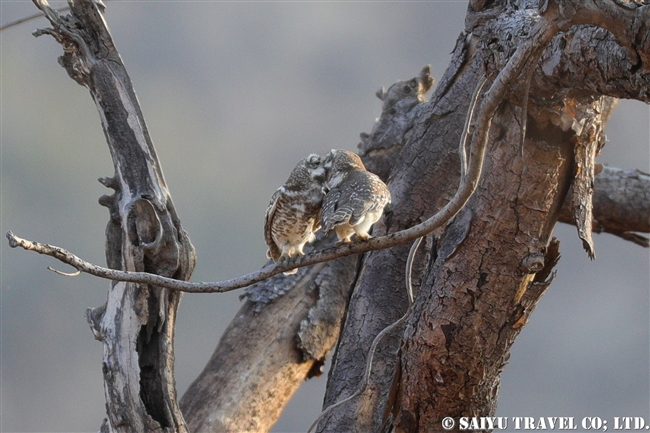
479, 281
470, 286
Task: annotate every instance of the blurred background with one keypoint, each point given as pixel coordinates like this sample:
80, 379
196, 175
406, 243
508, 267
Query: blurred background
234, 95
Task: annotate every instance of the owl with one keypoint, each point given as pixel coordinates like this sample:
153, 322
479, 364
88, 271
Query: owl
355, 197
293, 215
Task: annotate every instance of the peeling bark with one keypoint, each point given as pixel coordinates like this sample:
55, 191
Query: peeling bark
477, 291
136, 325
621, 204
477, 279
589, 140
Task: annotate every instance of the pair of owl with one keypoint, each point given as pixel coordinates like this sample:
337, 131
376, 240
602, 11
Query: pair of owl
333, 192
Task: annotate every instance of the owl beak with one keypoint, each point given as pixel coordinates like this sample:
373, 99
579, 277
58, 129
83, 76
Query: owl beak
329, 158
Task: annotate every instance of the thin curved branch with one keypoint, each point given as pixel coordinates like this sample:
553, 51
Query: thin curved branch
464, 192
28, 18
31, 17
540, 36
267, 271
64, 274
366, 374
409, 290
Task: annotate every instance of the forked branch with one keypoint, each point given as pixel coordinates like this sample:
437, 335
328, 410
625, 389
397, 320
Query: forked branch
541, 35
466, 189
464, 192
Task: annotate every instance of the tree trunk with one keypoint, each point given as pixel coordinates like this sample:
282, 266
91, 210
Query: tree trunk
416, 144
136, 325
477, 280
480, 277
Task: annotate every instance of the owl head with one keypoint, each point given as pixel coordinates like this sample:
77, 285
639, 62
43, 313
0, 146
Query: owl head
339, 163
337, 160
308, 171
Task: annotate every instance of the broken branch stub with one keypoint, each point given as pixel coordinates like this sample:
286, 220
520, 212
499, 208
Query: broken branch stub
144, 233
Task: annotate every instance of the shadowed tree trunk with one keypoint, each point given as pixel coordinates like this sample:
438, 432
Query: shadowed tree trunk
552, 79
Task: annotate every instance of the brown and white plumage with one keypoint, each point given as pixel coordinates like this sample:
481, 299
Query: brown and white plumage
293, 214
355, 199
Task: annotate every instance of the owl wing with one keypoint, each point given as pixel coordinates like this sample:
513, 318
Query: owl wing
273, 251
372, 195
333, 211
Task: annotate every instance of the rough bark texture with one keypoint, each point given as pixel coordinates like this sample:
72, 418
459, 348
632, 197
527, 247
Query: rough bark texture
280, 354
621, 204
244, 387
478, 276
477, 279
457, 341
136, 325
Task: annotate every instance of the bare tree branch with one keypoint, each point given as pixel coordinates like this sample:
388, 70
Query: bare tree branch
620, 202
144, 234
464, 192
30, 17
268, 271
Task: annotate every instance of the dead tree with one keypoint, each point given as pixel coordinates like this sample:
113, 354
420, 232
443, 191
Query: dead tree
480, 277
136, 325
552, 71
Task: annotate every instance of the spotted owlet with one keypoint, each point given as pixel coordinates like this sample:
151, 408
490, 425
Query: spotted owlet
293, 214
355, 199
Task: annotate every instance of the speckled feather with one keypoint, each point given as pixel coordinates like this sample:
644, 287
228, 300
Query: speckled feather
356, 197
293, 214
360, 193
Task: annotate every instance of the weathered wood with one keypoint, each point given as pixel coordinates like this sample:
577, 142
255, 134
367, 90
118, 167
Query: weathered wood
312, 305
268, 351
477, 289
621, 204
478, 278
589, 140
144, 233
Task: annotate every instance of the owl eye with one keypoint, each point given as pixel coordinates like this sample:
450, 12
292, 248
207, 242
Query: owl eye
314, 161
